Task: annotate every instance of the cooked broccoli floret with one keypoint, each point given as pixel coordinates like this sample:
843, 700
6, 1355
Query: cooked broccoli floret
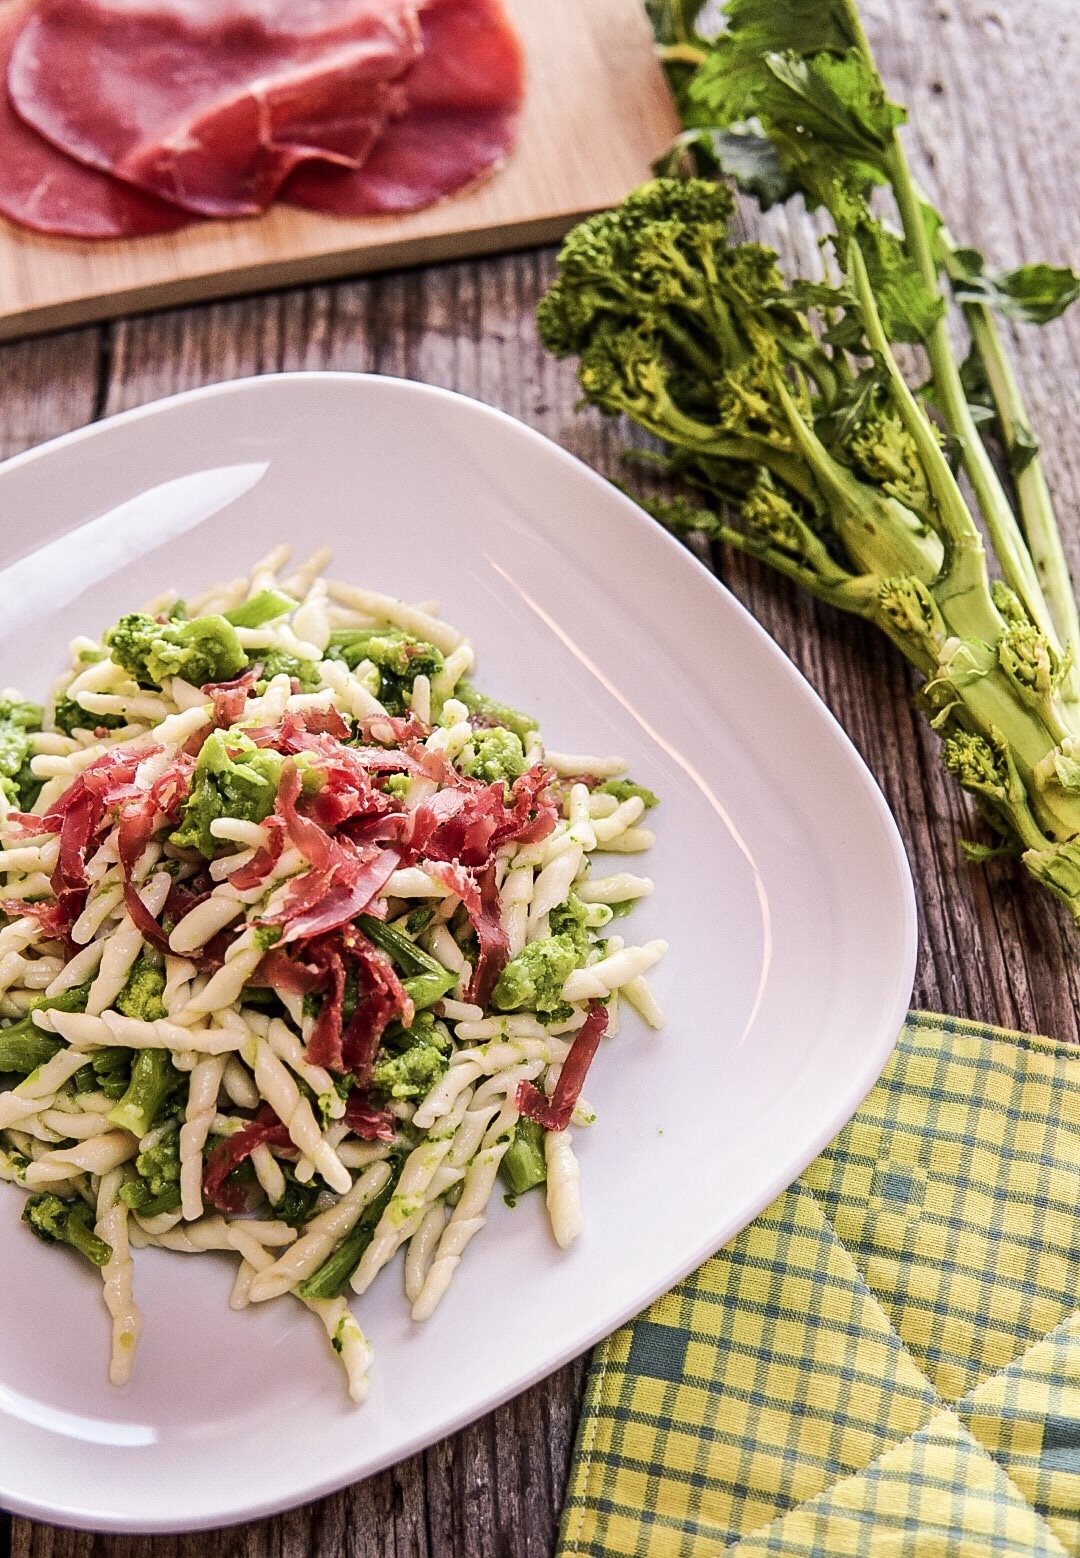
24, 1046
398, 657
233, 778
569, 921
206, 649
66, 1222
278, 662
156, 1190
18, 721
68, 717
412, 1074
534, 979
624, 789
487, 712
141, 996
154, 1079
492, 754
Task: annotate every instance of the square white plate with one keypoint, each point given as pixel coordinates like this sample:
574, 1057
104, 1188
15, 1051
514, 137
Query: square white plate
781, 885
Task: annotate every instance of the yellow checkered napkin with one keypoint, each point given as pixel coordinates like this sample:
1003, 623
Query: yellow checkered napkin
887, 1362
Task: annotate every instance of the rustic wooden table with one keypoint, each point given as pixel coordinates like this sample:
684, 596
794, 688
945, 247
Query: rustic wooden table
993, 87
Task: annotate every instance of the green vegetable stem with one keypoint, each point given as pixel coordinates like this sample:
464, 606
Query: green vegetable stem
787, 421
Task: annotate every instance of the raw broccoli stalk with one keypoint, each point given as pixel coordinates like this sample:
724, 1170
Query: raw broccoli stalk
206, 649
398, 658
493, 754
18, 721
233, 778
66, 1222
24, 1046
782, 407
154, 1079
523, 1165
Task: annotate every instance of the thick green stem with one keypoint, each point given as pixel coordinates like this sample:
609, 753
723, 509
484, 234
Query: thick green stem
1005, 533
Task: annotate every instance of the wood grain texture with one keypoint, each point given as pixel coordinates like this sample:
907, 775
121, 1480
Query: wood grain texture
559, 170
991, 946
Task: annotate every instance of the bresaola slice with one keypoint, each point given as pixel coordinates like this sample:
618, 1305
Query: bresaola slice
45, 190
463, 98
211, 105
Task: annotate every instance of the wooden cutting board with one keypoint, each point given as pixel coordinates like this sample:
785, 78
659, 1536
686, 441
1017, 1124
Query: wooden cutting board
597, 113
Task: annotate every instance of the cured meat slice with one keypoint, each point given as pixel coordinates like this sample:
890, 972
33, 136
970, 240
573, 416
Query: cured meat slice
43, 189
463, 100
211, 105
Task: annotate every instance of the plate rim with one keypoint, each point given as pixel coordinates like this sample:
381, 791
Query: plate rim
859, 1083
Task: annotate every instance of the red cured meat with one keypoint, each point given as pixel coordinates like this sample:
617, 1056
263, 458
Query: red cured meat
479, 894
266, 1130
556, 1112
367, 1122
382, 997
212, 105
264, 860
463, 100
229, 698
357, 877
43, 189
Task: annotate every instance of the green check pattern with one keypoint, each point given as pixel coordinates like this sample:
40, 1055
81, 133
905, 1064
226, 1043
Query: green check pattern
887, 1362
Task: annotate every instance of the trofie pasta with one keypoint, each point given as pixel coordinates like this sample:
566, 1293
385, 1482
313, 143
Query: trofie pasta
303, 948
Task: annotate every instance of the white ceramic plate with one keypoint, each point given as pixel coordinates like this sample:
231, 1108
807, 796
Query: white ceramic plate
781, 885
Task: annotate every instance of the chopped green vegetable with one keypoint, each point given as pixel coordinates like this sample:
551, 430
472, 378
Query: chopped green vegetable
625, 790
156, 1188
109, 1072
141, 995
570, 921
425, 979
233, 778
154, 1080
782, 407
398, 657
260, 609
24, 1046
206, 649
66, 1222
534, 979
489, 712
332, 1277
493, 754
277, 662
18, 721
68, 717
410, 1060
523, 1165
297, 1205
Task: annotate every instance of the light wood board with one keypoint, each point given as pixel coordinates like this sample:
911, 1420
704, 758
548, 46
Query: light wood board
597, 112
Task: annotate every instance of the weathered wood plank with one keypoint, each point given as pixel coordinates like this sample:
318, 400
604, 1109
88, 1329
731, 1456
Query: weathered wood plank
990, 946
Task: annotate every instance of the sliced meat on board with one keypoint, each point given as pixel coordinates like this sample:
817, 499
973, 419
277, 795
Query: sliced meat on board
211, 104
463, 98
43, 189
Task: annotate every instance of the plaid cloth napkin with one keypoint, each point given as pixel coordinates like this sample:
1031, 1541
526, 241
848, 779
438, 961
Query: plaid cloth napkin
887, 1362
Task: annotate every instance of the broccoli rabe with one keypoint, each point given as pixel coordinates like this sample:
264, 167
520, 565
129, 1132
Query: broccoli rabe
332, 1277
425, 979
278, 662
625, 790
412, 1074
523, 1165
206, 649
298, 1202
154, 1080
534, 980
18, 721
24, 1046
141, 995
398, 657
488, 711
156, 1189
69, 716
233, 778
261, 608
109, 1072
492, 754
66, 1222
